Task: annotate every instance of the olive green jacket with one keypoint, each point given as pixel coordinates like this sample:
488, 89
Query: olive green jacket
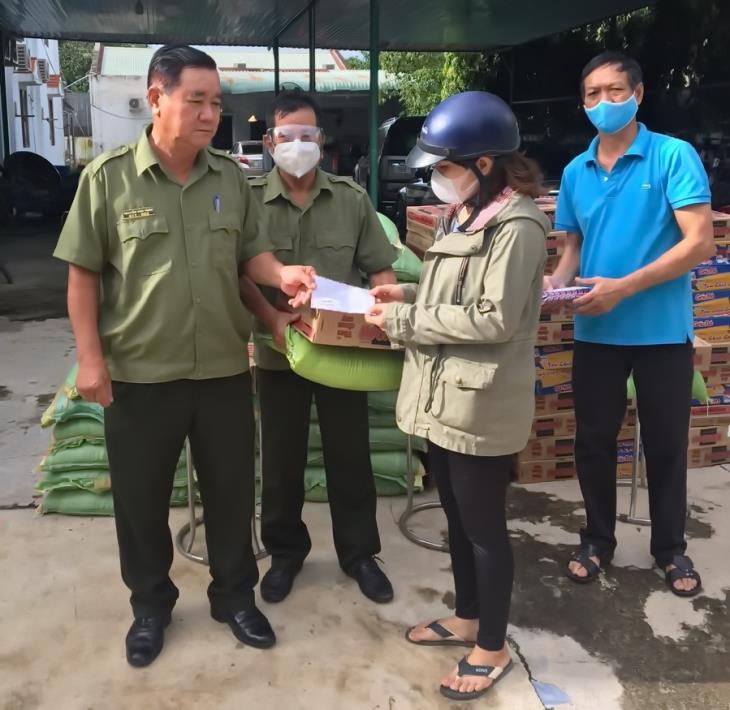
469, 376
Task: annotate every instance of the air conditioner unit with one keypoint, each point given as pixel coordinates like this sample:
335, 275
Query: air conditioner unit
22, 57
136, 105
43, 70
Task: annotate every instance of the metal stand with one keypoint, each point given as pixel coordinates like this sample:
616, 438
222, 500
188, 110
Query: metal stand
638, 478
185, 537
412, 509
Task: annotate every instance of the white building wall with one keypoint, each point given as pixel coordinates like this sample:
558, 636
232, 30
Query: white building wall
39, 123
114, 121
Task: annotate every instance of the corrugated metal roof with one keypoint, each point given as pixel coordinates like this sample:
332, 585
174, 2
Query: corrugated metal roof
459, 25
243, 82
133, 61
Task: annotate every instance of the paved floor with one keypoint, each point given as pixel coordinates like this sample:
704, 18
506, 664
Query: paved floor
623, 643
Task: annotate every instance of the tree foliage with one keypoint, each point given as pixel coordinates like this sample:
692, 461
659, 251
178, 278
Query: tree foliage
75, 63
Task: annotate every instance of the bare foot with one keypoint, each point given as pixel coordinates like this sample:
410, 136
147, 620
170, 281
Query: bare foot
463, 628
579, 570
683, 585
478, 657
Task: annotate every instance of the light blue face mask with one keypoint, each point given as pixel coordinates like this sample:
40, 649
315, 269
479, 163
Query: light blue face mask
609, 117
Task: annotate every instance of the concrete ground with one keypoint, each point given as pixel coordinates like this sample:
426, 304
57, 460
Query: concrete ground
625, 642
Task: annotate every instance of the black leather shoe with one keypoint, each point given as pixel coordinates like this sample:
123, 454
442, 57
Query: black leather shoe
277, 583
249, 626
145, 639
372, 580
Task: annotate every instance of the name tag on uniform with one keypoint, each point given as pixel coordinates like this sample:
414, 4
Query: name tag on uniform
137, 213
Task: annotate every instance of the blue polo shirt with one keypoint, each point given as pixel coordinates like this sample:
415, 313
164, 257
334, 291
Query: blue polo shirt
626, 221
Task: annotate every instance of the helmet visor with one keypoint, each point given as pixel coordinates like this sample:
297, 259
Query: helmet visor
424, 156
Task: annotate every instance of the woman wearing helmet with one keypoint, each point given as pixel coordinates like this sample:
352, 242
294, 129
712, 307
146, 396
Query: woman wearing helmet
468, 382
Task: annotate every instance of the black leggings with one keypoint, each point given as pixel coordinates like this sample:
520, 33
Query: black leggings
472, 490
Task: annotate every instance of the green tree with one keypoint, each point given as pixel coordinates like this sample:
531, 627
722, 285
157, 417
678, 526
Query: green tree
357, 62
75, 63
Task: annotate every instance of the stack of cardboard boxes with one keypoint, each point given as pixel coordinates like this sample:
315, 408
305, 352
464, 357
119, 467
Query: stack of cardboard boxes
709, 442
549, 454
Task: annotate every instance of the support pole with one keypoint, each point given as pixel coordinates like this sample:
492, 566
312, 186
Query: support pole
374, 99
5, 126
277, 68
312, 36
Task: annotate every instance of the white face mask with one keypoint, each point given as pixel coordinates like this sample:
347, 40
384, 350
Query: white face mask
297, 157
454, 192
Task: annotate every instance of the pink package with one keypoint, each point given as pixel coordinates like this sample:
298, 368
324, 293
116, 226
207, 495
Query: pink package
569, 293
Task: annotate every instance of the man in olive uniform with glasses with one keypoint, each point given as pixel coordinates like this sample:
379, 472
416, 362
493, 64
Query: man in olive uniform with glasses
326, 221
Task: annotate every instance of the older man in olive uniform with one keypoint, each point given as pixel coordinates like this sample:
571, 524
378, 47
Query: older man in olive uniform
162, 228
328, 222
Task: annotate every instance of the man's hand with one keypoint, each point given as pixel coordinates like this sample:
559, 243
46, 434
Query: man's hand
550, 283
604, 296
277, 326
94, 383
298, 282
388, 293
376, 315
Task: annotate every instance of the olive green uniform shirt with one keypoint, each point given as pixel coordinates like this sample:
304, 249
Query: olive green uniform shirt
338, 233
168, 256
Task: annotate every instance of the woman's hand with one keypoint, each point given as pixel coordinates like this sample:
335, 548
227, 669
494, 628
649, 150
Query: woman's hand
388, 293
376, 315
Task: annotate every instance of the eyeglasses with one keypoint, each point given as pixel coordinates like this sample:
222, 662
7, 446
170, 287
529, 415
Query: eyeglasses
287, 134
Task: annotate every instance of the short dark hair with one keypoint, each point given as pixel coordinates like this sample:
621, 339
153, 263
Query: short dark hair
627, 65
168, 62
290, 101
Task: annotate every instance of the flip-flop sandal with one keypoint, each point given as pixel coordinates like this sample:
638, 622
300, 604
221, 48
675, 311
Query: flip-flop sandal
447, 637
583, 557
683, 569
467, 669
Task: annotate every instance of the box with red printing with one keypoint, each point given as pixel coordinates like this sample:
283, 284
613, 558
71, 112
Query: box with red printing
555, 243
713, 329
555, 425
707, 456
721, 225
553, 381
554, 403
709, 355
558, 470
346, 329
554, 357
700, 436
548, 333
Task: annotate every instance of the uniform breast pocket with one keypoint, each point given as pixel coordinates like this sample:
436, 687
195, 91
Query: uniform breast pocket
146, 248
462, 402
224, 232
282, 245
335, 254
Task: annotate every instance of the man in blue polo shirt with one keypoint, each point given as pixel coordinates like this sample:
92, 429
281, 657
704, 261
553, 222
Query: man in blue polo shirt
636, 209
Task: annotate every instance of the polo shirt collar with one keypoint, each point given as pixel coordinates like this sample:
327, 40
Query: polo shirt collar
275, 187
145, 157
639, 147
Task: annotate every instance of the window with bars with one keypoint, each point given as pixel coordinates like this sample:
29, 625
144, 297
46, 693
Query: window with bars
51, 121
24, 122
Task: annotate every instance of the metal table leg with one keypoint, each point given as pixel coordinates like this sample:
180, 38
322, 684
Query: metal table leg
638, 477
411, 509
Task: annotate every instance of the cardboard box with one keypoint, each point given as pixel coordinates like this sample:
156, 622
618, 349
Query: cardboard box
548, 333
707, 456
709, 355
551, 264
564, 447
721, 224
418, 243
553, 381
700, 436
713, 329
555, 425
554, 357
721, 420
425, 219
344, 329
558, 470
717, 376
712, 308
711, 275
555, 243
557, 313
554, 403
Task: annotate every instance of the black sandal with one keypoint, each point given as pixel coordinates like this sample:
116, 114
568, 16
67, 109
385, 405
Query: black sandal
496, 673
447, 638
683, 569
583, 557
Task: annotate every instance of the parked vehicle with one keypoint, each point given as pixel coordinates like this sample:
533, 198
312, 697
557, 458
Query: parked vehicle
250, 156
396, 137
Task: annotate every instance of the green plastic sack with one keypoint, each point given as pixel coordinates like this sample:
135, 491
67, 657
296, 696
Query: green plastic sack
87, 429
78, 502
67, 404
383, 401
381, 419
361, 369
315, 485
407, 266
381, 439
84, 456
96, 481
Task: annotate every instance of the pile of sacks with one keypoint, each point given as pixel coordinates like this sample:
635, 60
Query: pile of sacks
74, 474
387, 452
